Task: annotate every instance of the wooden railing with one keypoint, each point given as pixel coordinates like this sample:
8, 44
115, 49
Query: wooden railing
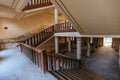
64, 27
38, 38
61, 62
32, 4
49, 62
35, 55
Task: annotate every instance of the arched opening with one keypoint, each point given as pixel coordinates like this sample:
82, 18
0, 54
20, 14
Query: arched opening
108, 42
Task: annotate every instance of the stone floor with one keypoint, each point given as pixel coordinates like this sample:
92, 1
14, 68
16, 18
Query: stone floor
16, 66
103, 63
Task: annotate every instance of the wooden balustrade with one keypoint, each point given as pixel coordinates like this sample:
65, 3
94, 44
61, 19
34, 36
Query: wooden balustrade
38, 38
32, 4
49, 62
62, 62
38, 57
64, 27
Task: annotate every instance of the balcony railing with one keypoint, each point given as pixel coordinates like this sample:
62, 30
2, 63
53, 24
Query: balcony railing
64, 27
32, 4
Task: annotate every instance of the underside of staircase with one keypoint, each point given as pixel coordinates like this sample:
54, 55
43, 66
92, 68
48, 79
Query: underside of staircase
75, 75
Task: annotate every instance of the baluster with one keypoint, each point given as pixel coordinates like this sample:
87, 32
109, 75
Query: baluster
43, 1
63, 66
70, 64
35, 3
33, 59
49, 63
28, 4
39, 60
68, 27
43, 36
46, 34
32, 2
32, 40
58, 63
29, 41
37, 38
44, 61
54, 63
40, 1
40, 35
61, 26
65, 26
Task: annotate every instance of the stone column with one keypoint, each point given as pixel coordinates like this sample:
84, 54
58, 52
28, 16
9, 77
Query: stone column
56, 45
55, 16
79, 42
88, 49
69, 44
91, 40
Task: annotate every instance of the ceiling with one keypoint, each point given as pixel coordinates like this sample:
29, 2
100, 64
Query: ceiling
7, 3
11, 8
92, 17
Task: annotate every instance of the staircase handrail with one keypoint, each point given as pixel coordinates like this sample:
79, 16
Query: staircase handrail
43, 59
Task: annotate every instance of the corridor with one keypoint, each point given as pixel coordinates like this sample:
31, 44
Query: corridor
103, 63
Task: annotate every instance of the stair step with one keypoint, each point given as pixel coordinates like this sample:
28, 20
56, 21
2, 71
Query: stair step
75, 75
59, 77
71, 75
63, 75
82, 77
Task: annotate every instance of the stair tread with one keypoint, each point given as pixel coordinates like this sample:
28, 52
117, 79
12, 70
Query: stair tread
77, 75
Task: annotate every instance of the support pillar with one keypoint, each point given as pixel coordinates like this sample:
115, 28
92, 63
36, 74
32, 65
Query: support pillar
56, 45
55, 16
69, 45
88, 50
79, 42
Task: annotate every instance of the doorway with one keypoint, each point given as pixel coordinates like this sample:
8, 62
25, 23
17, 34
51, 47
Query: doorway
108, 42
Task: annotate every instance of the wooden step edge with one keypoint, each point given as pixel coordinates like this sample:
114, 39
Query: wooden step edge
56, 75
73, 75
65, 76
80, 76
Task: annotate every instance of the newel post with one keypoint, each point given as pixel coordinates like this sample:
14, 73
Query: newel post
44, 61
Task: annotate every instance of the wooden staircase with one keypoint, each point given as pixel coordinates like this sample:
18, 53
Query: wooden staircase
61, 66
75, 75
